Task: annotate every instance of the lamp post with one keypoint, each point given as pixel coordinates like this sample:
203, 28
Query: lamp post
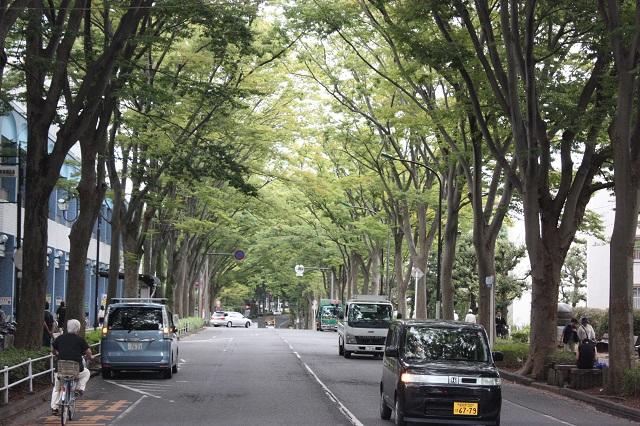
437, 175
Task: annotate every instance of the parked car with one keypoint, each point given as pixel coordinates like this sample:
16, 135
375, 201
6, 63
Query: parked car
139, 335
236, 319
438, 371
218, 318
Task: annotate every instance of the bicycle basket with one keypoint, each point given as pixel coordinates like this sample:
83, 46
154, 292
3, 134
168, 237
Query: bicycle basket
68, 368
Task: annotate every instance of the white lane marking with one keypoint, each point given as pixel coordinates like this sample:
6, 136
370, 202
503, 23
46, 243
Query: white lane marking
343, 409
182, 360
133, 389
538, 412
128, 410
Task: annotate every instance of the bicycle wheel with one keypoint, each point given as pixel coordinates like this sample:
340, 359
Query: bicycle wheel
63, 406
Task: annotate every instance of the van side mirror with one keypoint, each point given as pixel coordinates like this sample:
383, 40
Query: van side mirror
399, 315
391, 352
497, 356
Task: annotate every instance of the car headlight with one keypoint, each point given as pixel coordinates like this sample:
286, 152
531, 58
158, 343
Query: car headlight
490, 381
447, 380
351, 339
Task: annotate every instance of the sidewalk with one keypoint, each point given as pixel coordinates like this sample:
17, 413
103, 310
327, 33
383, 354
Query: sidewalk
598, 403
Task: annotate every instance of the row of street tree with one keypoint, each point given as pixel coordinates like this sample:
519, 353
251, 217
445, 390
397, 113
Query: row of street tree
328, 134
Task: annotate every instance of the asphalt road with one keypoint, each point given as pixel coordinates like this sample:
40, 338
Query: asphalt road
279, 377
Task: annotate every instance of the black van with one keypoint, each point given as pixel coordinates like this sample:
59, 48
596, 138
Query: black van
437, 371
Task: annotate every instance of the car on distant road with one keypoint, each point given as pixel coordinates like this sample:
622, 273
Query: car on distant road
218, 318
440, 372
236, 319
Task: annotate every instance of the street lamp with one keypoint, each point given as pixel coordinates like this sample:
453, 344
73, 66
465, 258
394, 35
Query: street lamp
437, 175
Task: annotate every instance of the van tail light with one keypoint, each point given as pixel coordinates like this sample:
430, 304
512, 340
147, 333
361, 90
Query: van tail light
104, 331
166, 332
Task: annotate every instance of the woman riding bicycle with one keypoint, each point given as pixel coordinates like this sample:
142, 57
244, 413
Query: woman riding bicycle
70, 346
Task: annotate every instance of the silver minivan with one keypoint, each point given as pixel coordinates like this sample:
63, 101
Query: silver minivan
139, 335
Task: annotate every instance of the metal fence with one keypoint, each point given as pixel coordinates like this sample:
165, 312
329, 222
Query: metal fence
30, 374
4, 373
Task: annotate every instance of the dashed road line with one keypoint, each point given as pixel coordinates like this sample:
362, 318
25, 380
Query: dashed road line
332, 397
132, 389
540, 413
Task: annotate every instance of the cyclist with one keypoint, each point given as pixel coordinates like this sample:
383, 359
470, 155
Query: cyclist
70, 346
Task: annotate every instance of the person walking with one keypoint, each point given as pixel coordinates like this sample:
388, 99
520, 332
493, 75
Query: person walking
470, 317
101, 314
502, 330
61, 312
570, 335
47, 326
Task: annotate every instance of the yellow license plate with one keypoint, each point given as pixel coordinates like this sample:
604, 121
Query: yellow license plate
465, 408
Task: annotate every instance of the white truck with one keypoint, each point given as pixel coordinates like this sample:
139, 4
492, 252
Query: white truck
362, 328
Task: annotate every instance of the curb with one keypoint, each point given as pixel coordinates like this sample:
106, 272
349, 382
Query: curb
598, 403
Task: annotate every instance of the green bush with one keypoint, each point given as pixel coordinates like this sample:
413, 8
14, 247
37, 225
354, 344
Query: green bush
520, 336
194, 322
14, 356
514, 353
92, 336
560, 356
631, 382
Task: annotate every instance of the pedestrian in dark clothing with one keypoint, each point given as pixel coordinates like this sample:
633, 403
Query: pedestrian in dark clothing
61, 312
47, 326
570, 335
586, 354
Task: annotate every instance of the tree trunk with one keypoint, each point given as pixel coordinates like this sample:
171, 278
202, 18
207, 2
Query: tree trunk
376, 257
131, 264
34, 280
450, 238
401, 283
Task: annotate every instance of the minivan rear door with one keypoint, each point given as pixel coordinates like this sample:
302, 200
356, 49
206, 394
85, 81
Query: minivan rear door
135, 333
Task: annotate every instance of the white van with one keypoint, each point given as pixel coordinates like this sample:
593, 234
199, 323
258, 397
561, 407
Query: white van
362, 328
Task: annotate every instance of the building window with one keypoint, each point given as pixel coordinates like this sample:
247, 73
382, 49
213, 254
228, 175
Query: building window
636, 249
636, 298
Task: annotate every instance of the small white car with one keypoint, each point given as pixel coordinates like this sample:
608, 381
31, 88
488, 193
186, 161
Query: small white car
236, 319
218, 318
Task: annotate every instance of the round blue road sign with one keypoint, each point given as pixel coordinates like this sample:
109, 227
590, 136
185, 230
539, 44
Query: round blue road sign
238, 255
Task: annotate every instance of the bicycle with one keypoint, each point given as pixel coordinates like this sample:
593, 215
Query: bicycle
68, 379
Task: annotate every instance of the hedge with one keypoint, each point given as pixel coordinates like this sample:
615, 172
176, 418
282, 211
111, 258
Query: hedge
14, 356
631, 382
194, 322
514, 353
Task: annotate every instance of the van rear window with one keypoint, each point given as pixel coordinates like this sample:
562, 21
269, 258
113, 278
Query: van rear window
135, 318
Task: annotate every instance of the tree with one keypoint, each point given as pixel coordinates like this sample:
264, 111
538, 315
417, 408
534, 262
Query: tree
622, 24
49, 40
574, 276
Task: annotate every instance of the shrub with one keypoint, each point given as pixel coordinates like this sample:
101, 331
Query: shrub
521, 335
631, 382
561, 357
514, 353
14, 356
92, 336
194, 322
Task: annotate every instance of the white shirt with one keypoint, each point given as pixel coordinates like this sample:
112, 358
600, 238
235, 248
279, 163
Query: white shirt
586, 332
470, 318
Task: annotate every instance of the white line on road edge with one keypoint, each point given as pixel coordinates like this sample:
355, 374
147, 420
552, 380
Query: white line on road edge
348, 414
542, 414
344, 410
133, 389
128, 410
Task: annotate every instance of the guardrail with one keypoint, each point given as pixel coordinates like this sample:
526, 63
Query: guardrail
30, 375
